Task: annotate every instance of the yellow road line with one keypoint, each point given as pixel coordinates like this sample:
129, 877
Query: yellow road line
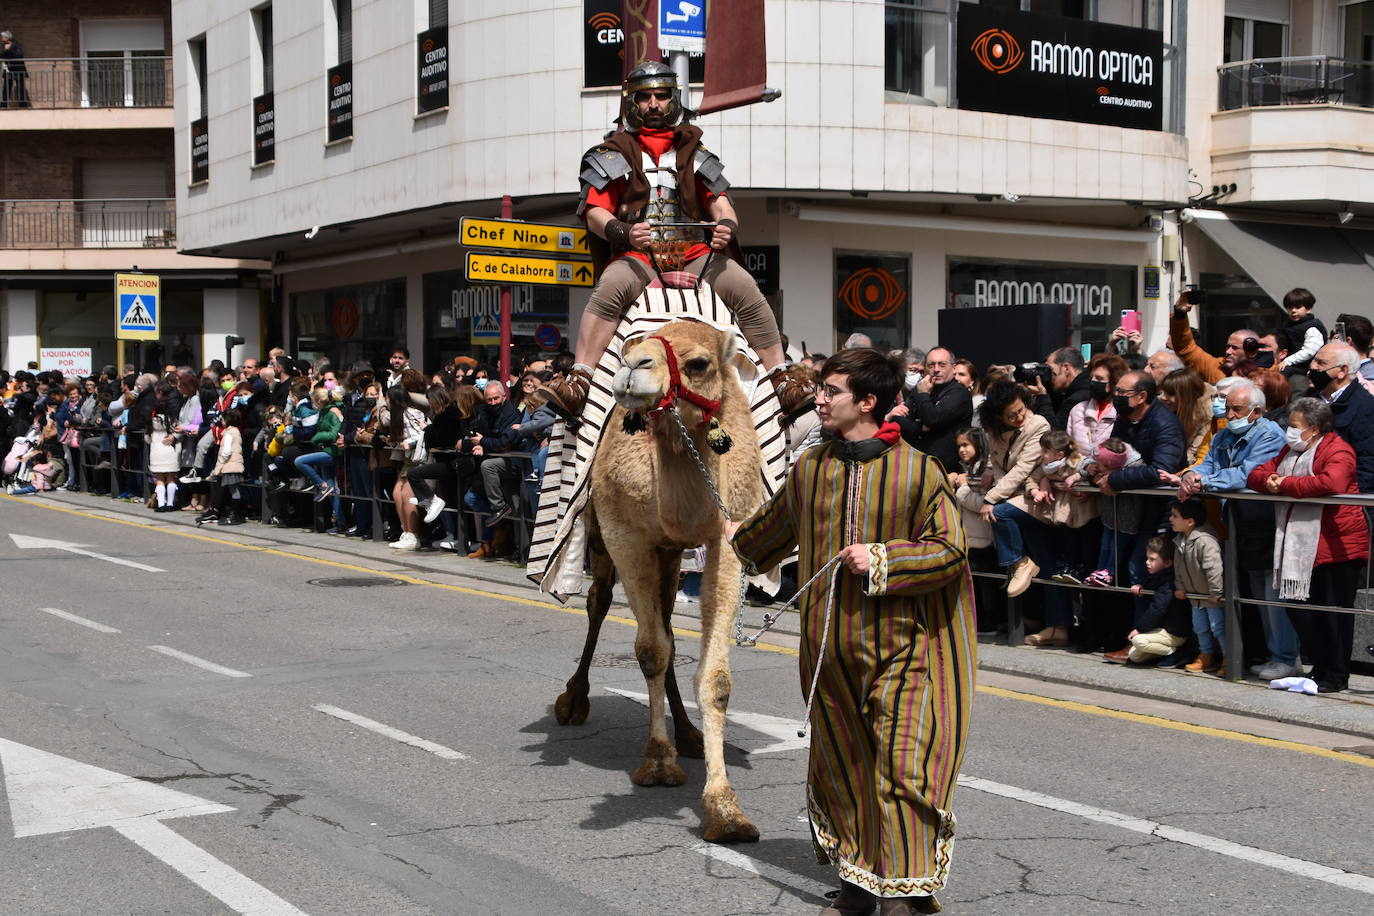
1000, 692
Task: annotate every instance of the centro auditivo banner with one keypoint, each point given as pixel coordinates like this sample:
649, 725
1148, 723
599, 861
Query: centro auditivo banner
1011, 62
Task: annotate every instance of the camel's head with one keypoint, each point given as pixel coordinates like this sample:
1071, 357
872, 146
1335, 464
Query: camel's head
685, 363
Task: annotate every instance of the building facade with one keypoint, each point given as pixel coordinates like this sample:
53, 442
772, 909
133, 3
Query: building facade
925, 158
86, 190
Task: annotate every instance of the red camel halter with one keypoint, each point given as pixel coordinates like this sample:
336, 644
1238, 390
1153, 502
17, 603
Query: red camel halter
676, 389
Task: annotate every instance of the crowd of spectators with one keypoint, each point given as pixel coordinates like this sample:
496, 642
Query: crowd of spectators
1041, 458
455, 456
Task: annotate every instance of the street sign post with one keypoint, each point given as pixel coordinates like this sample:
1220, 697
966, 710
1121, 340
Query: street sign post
514, 235
511, 268
138, 306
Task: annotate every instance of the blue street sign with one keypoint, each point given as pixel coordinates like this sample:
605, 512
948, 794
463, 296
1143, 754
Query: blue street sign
682, 25
137, 297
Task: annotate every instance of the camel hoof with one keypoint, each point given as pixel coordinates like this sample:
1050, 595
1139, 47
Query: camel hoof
724, 830
571, 708
725, 821
659, 773
690, 743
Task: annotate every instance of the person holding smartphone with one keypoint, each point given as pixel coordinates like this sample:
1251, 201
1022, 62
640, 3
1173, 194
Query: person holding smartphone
1211, 368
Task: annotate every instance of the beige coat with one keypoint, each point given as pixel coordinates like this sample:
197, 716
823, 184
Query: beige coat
1012, 456
1198, 563
230, 459
1073, 510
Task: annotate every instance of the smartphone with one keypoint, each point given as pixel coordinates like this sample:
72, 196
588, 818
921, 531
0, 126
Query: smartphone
1130, 320
1195, 296
1339, 332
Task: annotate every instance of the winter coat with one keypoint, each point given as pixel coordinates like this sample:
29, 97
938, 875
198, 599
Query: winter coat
1162, 610
1198, 563
933, 419
1012, 455
326, 431
1194, 357
1354, 412
1056, 406
230, 457
1069, 509
970, 500
1090, 426
1344, 533
1158, 437
497, 426
1233, 456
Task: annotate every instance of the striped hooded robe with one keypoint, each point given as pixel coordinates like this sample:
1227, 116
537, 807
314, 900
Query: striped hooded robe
891, 712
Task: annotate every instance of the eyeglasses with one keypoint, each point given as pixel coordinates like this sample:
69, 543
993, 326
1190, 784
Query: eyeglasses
829, 393
662, 95
1127, 392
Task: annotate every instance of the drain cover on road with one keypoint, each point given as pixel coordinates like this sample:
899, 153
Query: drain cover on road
627, 660
356, 582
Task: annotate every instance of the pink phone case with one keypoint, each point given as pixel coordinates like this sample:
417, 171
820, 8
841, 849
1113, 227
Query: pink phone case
1130, 320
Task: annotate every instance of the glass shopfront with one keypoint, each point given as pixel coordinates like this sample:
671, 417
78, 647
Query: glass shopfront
1098, 294
464, 319
349, 323
873, 297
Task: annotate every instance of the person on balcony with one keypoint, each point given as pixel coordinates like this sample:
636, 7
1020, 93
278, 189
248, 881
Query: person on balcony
14, 92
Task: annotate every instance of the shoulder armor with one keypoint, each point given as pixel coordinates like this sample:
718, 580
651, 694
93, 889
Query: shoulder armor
711, 170
603, 165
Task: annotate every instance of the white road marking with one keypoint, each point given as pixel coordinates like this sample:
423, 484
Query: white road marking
372, 725
67, 615
1300, 867
24, 542
233, 889
762, 869
783, 730
52, 794
199, 662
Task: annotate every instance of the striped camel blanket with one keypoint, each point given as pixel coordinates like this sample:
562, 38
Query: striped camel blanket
558, 547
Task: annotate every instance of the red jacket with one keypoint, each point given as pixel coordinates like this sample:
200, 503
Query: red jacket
1344, 535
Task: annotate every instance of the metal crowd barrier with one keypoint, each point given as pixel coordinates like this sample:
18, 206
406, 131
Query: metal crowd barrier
1232, 600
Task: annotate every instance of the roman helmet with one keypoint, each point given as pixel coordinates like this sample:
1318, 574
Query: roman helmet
651, 74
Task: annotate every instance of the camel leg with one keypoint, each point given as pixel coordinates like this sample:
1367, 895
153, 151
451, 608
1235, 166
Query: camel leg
725, 821
686, 736
640, 570
572, 705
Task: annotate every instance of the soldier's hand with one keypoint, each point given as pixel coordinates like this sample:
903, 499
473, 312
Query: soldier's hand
721, 236
639, 236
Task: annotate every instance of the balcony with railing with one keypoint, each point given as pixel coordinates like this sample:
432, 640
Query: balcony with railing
1295, 129
132, 81
69, 224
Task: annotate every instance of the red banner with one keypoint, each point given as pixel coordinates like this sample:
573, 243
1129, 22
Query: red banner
639, 19
736, 54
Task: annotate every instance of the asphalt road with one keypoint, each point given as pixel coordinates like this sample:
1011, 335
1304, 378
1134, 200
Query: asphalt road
267, 663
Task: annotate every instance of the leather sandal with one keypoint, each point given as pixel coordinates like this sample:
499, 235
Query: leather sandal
796, 392
1046, 639
568, 396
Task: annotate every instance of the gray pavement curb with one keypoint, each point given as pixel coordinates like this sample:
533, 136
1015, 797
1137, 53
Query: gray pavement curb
1351, 713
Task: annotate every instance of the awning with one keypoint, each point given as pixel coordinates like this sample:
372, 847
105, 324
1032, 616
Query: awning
1337, 265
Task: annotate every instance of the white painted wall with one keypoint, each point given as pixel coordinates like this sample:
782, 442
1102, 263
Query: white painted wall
519, 120
19, 327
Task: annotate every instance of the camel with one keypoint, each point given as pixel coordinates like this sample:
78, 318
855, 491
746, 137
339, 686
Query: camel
648, 503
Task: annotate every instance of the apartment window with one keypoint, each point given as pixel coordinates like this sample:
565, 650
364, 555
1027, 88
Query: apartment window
198, 71
124, 63
1254, 29
264, 113
916, 50
1359, 30
438, 13
339, 77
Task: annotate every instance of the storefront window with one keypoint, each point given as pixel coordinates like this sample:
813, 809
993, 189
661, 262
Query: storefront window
464, 319
83, 319
1097, 294
916, 50
873, 297
349, 323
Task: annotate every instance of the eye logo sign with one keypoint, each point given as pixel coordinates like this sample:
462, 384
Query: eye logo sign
872, 293
998, 51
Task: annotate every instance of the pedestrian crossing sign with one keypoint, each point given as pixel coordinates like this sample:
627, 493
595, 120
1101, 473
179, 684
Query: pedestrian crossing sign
138, 306
486, 328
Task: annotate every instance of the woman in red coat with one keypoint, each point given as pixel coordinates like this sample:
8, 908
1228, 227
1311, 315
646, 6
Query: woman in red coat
1319, 550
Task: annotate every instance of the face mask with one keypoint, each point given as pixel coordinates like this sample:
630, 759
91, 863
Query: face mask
1122, 403
1319, 378
240, 400
480, 383
1218, 406
1239, 426
329, 384
913, 379
227, 385
1050, 467
1098, 391
1295, 439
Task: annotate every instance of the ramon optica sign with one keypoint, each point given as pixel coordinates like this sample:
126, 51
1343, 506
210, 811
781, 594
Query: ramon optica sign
1051, 67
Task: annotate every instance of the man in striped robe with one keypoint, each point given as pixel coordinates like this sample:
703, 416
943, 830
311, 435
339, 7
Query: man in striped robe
888, 640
